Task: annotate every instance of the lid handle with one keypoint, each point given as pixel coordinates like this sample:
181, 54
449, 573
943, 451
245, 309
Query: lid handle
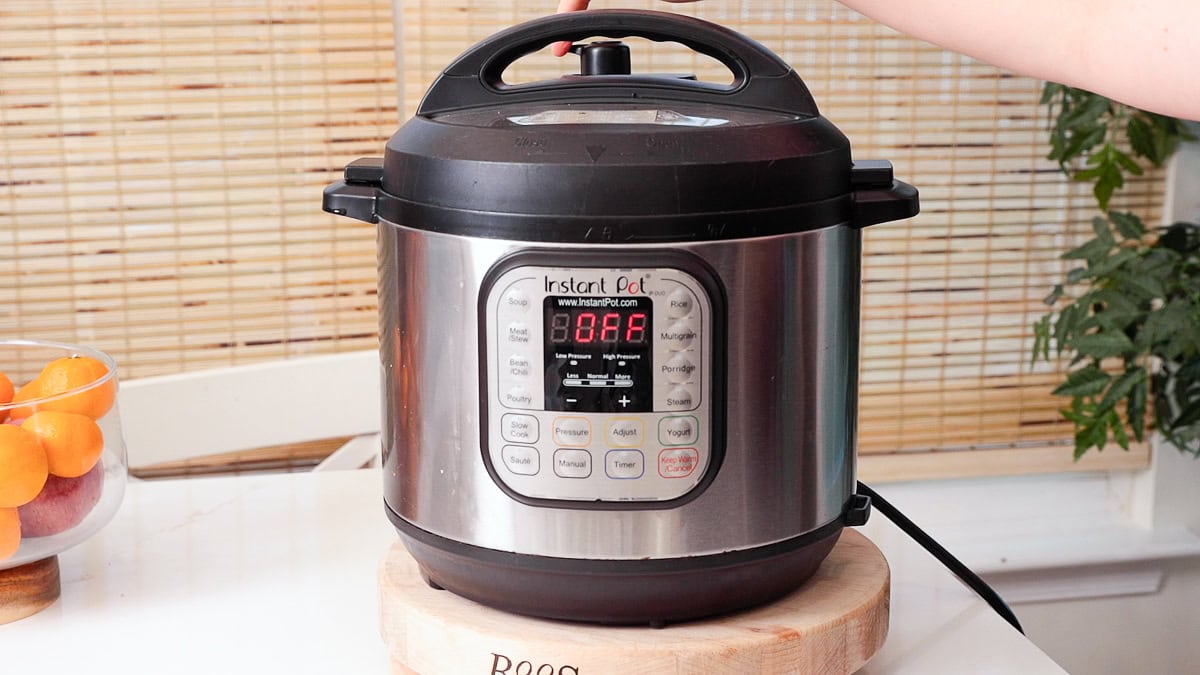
760, 78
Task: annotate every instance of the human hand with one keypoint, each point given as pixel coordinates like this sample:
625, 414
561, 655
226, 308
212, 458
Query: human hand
561, 48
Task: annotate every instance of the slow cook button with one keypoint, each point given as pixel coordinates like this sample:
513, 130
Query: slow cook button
626, 433
575, 431
677, 430
624, 464
521, 460
680, 398
519, 428
679, 369
677, 462
678, 336
680, 303
572, 463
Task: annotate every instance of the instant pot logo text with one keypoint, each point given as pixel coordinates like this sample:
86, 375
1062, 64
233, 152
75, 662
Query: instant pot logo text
502, 665
622, 285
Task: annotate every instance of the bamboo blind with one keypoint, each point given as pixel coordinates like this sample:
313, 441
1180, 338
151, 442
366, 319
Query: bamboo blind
161, 164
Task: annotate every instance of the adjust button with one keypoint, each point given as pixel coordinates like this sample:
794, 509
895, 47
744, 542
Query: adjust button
519, 428
521, 460
626, 433
572, 463
624, 464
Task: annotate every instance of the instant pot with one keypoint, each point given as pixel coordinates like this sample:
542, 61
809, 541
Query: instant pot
619, 325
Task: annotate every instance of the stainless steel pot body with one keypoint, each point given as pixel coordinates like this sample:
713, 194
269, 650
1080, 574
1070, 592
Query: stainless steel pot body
789, 407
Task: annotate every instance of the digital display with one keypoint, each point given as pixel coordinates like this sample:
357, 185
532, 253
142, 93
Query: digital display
598, 353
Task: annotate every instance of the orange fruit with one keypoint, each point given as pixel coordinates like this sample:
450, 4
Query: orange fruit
72, 372
23, 466
28, 392
6, 394
72, 442
10, 533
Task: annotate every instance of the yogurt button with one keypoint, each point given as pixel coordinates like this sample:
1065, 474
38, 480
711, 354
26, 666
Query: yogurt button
678, 430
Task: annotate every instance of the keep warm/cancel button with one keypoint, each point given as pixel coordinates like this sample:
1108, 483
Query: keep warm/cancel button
677, 462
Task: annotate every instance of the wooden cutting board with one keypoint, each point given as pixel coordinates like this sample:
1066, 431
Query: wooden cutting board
832, 624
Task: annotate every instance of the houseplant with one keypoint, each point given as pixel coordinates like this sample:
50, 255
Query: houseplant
1129, 314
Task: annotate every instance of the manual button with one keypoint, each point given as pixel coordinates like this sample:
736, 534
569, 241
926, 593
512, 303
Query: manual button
572, 463
626, 433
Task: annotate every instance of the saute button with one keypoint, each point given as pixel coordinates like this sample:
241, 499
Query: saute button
519, 428
680, 303
572, 463
624, 464
678, 369
575, 431
680, 398
626, 433
679, 335
521, 460
677, 430
677, 462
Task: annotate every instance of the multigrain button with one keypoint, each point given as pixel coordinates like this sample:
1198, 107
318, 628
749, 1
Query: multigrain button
521, 460
575, 431
572, 463
519, 428
680, 303
624, 464
678, 336
677, 430
626, 433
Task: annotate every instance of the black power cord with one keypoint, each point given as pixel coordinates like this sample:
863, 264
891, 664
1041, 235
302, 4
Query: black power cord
960, 570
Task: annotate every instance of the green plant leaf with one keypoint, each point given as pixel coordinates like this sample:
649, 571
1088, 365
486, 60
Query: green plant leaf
1188, 416
1105, 267
1093, 434
1121, 387
1102, 345
1075, 275
1127, 163
1141, 137
1055, 294
1093, 249
1041, 339
1135, 409
1128, 225
1118, 429
1083, 382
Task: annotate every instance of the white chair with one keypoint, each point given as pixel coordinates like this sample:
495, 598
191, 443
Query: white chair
172, 418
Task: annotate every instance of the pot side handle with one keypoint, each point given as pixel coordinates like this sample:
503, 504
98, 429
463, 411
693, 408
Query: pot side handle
355, 195
878, 197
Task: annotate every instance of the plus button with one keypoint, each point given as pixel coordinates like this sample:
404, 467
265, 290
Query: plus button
624, 400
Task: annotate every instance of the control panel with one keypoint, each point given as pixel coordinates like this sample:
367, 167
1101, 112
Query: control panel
599, 381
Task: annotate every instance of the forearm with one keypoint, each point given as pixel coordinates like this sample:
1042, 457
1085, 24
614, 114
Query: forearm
1130, 50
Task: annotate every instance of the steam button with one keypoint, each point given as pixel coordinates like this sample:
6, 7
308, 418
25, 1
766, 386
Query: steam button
681, 398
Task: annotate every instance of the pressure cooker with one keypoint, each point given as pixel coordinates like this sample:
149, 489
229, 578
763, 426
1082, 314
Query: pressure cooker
619, 325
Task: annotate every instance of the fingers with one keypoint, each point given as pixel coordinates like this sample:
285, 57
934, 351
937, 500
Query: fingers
561, 48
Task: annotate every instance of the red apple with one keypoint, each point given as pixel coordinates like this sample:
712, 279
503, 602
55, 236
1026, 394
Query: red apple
62, 504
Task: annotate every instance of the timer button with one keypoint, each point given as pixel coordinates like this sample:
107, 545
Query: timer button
521, 460
624, 464
678, 369
680, 398
678, 336
572, 463
680, 303
677, 430
575, 431
626, 433
519, 428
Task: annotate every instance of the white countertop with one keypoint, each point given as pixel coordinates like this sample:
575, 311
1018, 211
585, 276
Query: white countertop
277, 574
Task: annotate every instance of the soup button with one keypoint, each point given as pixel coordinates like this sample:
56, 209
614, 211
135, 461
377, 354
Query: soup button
678, 462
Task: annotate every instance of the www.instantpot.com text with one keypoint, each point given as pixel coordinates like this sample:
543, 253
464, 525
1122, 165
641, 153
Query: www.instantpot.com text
597, 302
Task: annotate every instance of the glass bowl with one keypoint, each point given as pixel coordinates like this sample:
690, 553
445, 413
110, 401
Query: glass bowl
70, 411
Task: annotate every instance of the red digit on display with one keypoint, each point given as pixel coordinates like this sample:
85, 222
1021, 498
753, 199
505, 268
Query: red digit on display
585, 328
636, 330
610, 327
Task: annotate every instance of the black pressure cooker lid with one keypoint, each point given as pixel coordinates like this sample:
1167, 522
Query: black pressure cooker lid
610, 156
